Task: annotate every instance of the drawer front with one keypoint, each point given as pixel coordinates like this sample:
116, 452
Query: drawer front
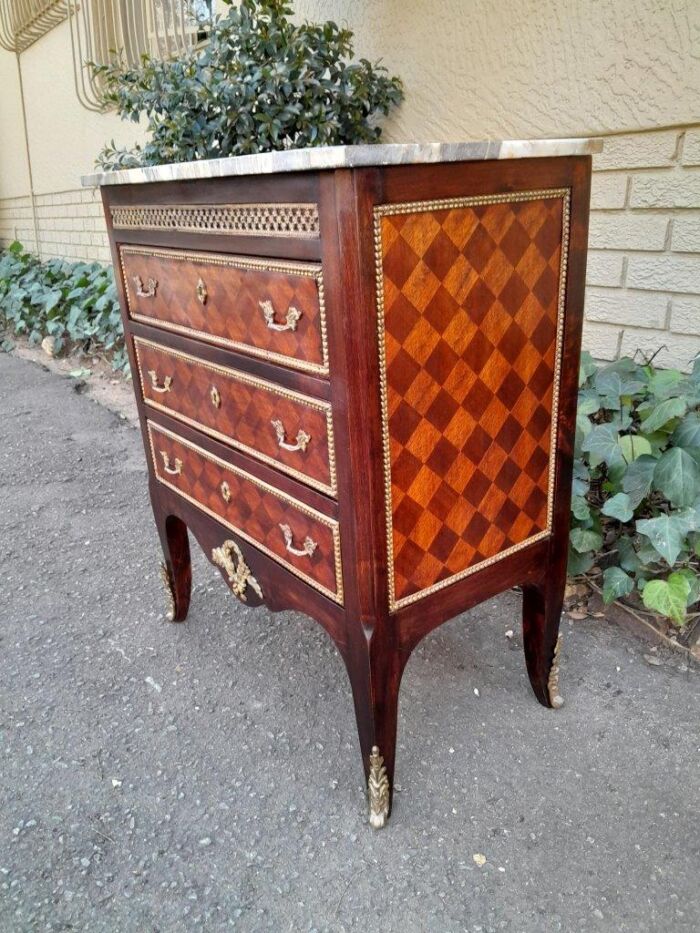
290, 431
268, 308
303, 540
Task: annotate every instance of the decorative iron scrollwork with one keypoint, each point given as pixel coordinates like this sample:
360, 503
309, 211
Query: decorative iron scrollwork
230, 558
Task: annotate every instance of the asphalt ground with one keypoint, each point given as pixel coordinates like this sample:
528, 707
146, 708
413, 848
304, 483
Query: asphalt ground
159, 777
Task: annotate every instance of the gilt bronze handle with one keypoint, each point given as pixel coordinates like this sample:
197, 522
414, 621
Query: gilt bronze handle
302, 439
309, 543
291, 320
225, 491
142, 292
215, 397
167, 382
173, 470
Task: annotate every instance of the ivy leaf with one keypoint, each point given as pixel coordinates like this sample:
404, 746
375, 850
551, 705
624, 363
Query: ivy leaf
580, 508
586, 368
51, 299
627, 555
663, 413
677, 476
616, 583
619, 507
588, 402
585, 539
637, 479
687, 433
579, 563
668, 597
633, 446
694, 583
602, 445
664, 383
667, 533
608, 385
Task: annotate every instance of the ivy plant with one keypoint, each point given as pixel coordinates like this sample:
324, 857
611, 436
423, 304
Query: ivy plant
73, 302
636, 493
261, 82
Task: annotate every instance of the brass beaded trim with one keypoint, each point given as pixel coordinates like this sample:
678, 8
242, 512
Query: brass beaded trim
411, 207
236, 374
278, 220
310, 270
299, 506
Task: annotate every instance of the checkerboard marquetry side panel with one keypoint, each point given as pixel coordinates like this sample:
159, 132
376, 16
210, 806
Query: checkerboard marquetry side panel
470, 314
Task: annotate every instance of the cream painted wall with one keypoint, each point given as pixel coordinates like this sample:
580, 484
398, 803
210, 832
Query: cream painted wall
14, 178
64, 137
521, 68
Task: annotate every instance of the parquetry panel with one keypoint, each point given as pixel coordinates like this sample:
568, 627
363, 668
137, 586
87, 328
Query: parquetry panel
241, 410
164, 288
252, 509
470, 303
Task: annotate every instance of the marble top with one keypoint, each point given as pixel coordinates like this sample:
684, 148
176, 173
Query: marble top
331, 157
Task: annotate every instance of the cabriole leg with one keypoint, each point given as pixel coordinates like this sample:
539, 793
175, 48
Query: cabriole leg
176, 569
375, 670
542, 607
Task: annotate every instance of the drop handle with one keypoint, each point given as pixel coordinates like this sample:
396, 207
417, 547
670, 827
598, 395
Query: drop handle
173, 470
291, 320
302, 438
309, 544
149, 291
155, 385
201, 292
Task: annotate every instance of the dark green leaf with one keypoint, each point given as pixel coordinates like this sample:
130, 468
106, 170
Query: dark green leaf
616, 583
585, 539
638, 478
663, 413
619, 507
677, 476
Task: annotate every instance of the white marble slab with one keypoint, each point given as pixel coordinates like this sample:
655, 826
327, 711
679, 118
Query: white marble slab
331, 157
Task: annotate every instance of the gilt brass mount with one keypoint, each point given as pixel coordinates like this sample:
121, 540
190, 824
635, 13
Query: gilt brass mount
230, 558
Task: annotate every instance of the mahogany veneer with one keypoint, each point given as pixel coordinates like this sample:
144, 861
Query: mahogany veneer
357, 389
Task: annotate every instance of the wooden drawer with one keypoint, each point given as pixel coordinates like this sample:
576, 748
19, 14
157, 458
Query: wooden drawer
300, 538
268, 308
285, 429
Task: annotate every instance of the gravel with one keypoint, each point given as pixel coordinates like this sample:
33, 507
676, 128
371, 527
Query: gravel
160, 777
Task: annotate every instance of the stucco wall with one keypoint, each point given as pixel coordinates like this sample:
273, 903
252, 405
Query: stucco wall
479, 69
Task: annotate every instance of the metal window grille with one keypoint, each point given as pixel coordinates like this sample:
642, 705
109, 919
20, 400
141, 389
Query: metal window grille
22, 22
103, 31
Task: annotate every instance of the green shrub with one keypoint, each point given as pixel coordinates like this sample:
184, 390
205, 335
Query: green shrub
636, 493
260, 83
73, 302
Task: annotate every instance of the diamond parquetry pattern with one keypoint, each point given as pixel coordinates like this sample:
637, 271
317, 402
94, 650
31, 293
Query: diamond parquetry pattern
470, 331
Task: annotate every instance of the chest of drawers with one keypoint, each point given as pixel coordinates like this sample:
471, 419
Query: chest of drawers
356, 375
